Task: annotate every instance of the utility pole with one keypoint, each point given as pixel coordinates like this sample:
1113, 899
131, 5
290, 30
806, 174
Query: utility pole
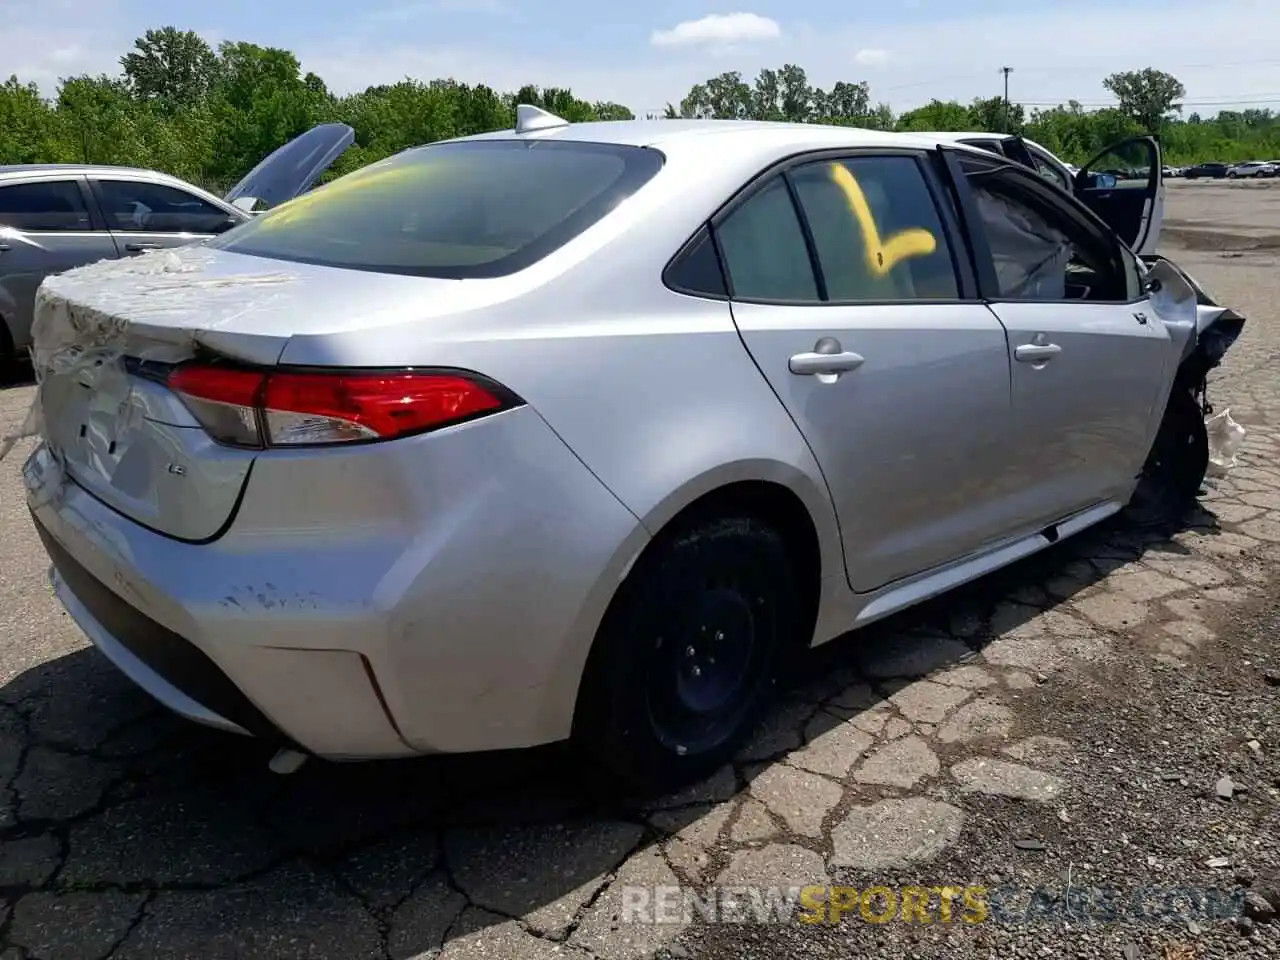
1006, 71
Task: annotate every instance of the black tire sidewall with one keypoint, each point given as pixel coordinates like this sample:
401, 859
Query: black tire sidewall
613, 721
1163, 496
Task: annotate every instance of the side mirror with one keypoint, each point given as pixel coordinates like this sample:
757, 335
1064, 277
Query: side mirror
1104, 181
226, 225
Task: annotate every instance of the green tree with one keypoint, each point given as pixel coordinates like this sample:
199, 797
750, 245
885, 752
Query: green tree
725, 97
172, 66
989, 113
27, 125
605, 110
1147, 96
98, 116
210, 116
846, 104
937, 115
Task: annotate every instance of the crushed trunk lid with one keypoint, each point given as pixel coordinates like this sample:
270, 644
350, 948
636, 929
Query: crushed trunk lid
106, 335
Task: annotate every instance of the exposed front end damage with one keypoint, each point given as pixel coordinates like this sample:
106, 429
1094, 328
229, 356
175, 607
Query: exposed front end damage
1202, 332
1206, 334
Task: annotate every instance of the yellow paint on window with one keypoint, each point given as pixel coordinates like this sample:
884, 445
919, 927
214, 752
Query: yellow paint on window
882, 254
374, 177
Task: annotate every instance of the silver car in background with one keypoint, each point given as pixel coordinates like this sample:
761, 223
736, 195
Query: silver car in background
587, 431
54, 217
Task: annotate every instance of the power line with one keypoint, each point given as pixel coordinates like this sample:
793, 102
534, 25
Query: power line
1046, 70
1197, 102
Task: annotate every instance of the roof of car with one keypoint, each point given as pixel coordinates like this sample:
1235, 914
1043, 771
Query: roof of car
951, 135
75, 169
646, 133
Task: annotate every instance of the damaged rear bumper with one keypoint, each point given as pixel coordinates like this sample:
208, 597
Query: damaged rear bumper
222, 670
158, 660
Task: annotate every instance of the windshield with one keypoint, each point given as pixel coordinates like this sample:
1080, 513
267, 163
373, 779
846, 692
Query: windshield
478, 208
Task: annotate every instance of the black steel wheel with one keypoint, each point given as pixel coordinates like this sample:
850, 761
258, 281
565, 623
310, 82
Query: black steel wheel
688, 653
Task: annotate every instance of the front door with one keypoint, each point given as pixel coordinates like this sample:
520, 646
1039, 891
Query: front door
846, 292
145, 215
1124, 186
45, 227
1089, 355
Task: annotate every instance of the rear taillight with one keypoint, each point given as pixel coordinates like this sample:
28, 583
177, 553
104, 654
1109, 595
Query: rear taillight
268, 408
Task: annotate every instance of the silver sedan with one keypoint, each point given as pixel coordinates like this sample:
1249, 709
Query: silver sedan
585, 431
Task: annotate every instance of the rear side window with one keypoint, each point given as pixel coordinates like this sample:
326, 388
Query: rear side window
49, 205
481, 208
876, 229
764, 249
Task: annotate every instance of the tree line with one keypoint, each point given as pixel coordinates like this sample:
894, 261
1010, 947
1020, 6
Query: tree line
208, 115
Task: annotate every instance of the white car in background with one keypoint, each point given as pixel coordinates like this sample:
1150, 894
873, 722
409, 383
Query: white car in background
1125, 180
1253, 169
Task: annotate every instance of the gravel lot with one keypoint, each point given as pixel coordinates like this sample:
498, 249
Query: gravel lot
1105, 717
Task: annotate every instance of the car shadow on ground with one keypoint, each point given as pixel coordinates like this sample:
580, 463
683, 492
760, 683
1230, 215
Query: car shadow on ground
102, 790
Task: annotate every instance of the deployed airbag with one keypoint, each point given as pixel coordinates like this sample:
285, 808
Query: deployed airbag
1031, 256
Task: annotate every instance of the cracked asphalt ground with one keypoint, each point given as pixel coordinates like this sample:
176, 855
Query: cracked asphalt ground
1103, 717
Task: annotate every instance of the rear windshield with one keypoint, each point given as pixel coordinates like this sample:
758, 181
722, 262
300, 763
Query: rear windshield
480, 208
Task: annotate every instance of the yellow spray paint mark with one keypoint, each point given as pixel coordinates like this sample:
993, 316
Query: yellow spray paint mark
376, 176
882, 254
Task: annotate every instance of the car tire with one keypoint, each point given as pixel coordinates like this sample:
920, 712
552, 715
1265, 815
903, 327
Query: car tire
1175, 468
8, 355
688, 653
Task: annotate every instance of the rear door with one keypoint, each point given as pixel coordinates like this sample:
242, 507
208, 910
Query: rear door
855, 304
145, 214
1124, 186
1090, 356
46, 226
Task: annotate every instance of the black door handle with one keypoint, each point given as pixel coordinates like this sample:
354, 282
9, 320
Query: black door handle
136, 247
4, 247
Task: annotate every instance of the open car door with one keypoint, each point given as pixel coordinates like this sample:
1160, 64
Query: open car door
1124, 186
291, 169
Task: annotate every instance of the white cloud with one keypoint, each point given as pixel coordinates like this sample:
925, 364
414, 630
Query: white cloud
718, 30
871, 58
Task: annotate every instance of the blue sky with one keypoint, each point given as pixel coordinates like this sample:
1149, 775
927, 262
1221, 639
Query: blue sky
646, 54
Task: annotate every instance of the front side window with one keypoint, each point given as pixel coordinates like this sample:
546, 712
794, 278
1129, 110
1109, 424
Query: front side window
1041, 251
876, 229
1130, 162
135, 206
764, 250
48, 205
482, 208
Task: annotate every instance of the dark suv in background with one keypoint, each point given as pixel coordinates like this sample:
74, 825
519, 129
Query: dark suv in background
1214, 171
